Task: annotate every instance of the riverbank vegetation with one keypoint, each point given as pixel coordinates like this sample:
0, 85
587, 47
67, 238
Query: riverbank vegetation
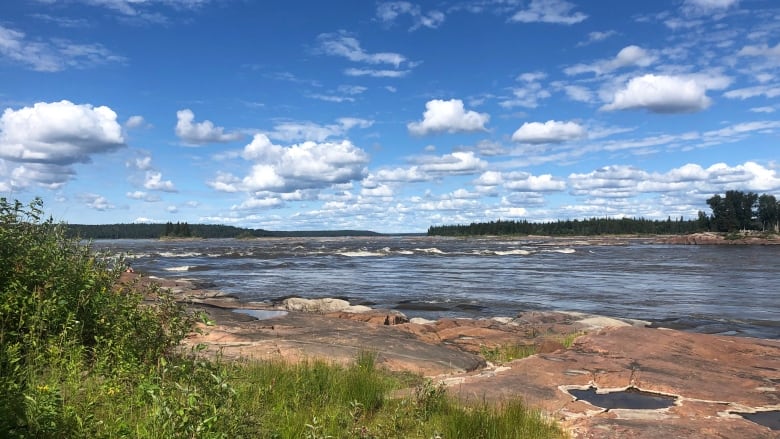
733, 212
84, 356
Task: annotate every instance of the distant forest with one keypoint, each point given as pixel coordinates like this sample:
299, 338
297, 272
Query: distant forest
732, 212
185, 230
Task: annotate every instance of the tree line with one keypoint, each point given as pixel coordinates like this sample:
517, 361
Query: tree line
732, 212
186, 230
738, 210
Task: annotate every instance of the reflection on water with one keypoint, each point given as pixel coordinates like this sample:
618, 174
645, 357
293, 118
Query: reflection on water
718, 289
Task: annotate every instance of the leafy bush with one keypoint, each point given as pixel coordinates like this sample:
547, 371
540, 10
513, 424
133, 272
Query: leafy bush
84, 356
64, 320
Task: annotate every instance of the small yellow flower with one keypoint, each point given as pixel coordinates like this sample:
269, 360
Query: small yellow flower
43, 388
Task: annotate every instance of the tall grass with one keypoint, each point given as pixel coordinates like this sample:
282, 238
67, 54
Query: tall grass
81, 356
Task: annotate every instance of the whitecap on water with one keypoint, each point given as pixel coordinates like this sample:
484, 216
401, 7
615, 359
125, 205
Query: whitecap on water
180, 268
360, 254
518, 251
432, 250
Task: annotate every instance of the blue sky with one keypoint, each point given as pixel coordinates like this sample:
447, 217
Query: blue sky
388, 116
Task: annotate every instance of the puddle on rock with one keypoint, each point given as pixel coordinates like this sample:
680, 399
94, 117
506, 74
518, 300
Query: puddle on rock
631, 398
261, 314
769, 419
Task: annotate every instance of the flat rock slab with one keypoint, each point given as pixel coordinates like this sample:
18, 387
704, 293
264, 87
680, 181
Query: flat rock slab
296, 336
713, 378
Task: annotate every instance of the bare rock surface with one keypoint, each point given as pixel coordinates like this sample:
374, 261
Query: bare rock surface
712, 377
709, 238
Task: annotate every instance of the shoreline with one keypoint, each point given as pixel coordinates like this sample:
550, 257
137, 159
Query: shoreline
712, 379
191, 291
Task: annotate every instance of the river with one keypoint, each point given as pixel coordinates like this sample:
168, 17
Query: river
731, 290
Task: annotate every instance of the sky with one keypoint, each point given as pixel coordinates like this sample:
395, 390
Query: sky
386, 116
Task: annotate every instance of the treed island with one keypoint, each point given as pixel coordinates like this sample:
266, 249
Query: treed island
734, 212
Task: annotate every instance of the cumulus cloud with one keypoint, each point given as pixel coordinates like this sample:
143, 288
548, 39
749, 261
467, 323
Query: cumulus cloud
97, 202
661, 94
40, 143
388, 12
627, 57
154, 181
201, 133
552, 131
307, 165
457, 163
549, 11
691, 179
51, 56
448, 116
134, 122
525, 182
141, 195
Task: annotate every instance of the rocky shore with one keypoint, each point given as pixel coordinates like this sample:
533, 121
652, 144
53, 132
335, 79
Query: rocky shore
713, 382
709, 238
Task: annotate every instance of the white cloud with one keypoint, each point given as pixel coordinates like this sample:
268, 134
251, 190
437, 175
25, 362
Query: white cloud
40, 143
97, 202
524, 182
134, 122
201, 133
527, 96
448, 116
295, 131
707, 6
549, 11
388, 12
578, 93
344, 93
552, 131
155, 182
259, 203
54, 55
687, 180
594, 37
762, 50
489, 179
763, 109
307, 165
141, 195
344, 45
769, 91
457, 163
399, 175
58, 133
225, 182
374, 73
661, 94
627, 57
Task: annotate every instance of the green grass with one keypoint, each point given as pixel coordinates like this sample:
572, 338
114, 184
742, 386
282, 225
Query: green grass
81, 357
507, 352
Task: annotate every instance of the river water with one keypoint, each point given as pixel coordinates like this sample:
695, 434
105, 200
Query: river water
713, 289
